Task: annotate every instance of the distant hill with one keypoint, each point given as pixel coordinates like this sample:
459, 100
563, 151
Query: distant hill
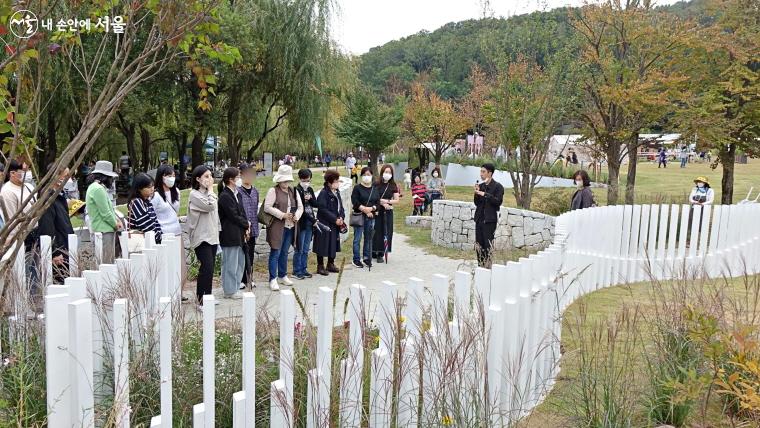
448, 53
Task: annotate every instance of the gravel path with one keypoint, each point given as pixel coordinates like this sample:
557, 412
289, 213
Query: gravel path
406, 261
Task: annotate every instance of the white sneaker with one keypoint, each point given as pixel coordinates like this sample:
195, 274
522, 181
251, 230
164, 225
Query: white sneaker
242, 285
285, 280
273, 285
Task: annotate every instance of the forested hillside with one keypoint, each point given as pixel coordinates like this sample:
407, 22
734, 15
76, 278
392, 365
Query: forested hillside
447, 54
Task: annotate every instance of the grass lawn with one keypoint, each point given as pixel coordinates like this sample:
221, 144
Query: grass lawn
584, 318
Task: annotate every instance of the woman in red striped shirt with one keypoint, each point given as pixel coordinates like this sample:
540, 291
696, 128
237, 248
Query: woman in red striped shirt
418, 195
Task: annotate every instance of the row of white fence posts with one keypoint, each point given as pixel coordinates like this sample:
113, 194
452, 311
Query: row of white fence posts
507, 373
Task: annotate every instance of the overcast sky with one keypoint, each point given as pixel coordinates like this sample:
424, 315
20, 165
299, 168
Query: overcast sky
362, 24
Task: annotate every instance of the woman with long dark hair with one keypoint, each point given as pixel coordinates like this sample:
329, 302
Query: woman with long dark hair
203, 227
388, 194
330, 213
234, 234
364, 200
583, 197
142, 214
166, 200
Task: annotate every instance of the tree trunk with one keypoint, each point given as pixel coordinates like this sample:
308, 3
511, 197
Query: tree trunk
197, 148
525, 191
613, 170
145, 148
374, 155
630, 180
50, 147
728, 160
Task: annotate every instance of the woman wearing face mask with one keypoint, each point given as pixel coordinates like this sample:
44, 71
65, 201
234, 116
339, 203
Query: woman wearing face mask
234, 233
331, 214
284, 204
166, 201
436, 188
388, 195
364, 200
305, 224
142, 214
582, 198
702, 193
203, 227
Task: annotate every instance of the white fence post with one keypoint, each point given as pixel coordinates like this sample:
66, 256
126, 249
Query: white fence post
249, 358
408, 395
279, 414
209, 357
73, 241
57, 361
381, 385
239, 410
121, 362
80, 363
165, 338
415, 302
287, 350
324, 353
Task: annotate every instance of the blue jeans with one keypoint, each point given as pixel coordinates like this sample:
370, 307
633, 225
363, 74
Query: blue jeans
233, 265
302, 254
683, 162
278, 259
369, 224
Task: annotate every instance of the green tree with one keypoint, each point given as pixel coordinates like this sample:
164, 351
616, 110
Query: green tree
527, 104
725, 112
628, 78
368, 123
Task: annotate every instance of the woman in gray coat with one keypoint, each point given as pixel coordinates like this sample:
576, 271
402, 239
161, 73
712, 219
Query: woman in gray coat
582, 198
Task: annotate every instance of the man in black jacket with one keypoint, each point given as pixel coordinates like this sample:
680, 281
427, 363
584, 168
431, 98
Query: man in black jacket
488, 198
55, 222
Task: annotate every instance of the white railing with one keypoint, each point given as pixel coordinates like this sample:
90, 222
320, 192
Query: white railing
500, 328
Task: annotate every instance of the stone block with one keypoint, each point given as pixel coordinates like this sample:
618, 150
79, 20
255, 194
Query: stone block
531, 240
546, 235
528, 225
518, 237
456, 225
515, 220
466, 214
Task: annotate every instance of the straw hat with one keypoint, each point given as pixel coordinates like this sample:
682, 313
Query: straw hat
75, 205
702, 179
284, 173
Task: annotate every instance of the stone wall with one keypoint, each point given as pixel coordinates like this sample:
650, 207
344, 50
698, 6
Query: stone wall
453, 226
262, 248
421, 221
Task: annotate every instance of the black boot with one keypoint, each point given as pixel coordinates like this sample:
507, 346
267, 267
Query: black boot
332, 268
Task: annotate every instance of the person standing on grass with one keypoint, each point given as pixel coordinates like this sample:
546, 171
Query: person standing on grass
203, 227
684, 155
489, 195
350, 162
328, 160
249, 196
388, 194
331, 214
100, 208
283, 203
436, 188
583, 197
234, 234
364, 199
662, 157
305, 225
418, 196
702, 193
142, 214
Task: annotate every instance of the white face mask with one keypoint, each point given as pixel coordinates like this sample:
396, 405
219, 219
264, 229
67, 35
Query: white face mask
700, 185
435, 174
579, 183
387, 176
169, 181
305, 184
366, 179
238, 182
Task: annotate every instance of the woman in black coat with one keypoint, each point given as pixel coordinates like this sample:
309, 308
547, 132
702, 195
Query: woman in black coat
234, 233
330, 221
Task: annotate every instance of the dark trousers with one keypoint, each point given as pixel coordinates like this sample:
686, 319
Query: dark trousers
249, 249
484, 233
321, 260
206, 255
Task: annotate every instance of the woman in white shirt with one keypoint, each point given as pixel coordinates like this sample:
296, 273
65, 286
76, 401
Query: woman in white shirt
701, 194
166, 202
